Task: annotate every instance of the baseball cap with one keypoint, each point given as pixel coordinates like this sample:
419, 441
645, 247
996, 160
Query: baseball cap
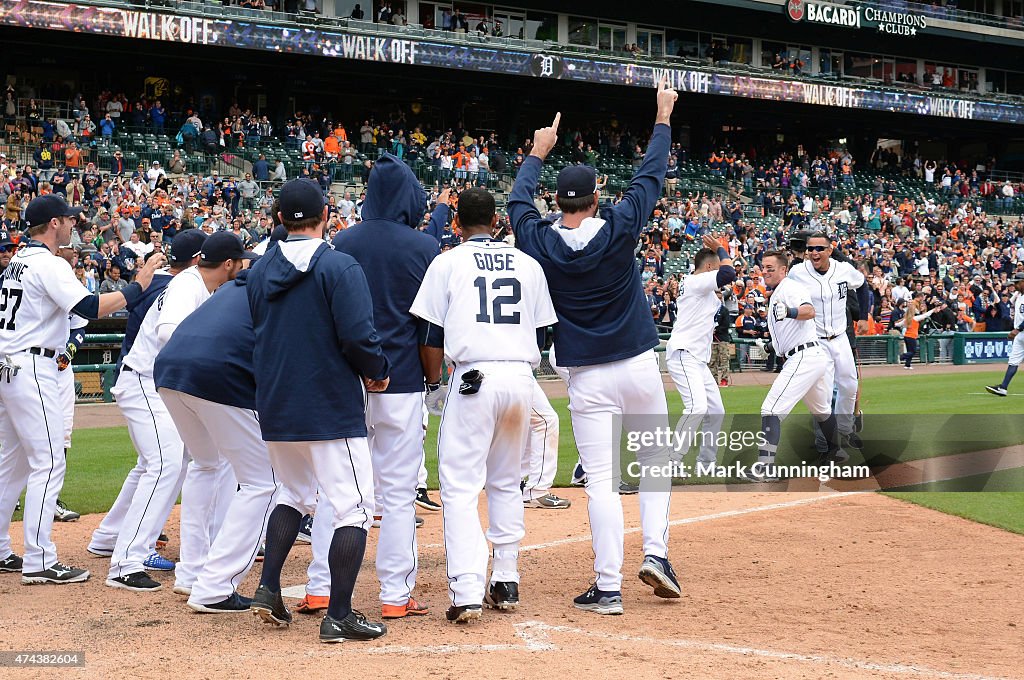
186, 245
577, 181
301, 199
5, 239
222, 246
42, 209
280, 233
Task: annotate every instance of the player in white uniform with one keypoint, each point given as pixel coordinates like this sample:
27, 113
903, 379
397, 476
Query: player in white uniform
1017, 348
807, 373
38, 292
160, 448
689, 347
488, 301
540, 459
210, 482
829, 282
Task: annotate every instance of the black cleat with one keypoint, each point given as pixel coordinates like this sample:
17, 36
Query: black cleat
503, 595
11, 564
352, 627
269, 606
424, 501
58, 574
463, 614
139, 582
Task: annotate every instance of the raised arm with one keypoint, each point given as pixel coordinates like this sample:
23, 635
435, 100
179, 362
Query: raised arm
521, 210
644, 189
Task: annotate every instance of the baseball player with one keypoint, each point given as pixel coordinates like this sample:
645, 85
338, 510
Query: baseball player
689, 347
204, 375
184, 253
483, 303
1017, 348
312, 315
829, 283
540, 458
395, 255
807, 373
160, 449
37, 294
606, 339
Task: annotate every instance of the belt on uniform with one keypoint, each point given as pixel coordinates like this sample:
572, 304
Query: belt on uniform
801, 348
829, 337
48, 353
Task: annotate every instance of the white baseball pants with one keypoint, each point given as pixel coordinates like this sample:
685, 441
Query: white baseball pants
806, 375
845, 380
702, 401
480, 446
1016, 351
598, 396
32, 455
394, 424
337, 469
161, 453
318, 574
66, 381
214, 433
540, 459
206, 494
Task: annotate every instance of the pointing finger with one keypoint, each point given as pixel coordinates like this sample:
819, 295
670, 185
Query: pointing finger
558, 117
663, 84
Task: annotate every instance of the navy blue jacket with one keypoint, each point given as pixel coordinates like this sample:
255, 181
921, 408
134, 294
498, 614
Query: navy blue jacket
394, 255
209, 354
314, 339
602, 313
137, 312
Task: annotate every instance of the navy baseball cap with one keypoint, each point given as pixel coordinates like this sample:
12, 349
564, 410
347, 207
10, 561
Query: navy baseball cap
5, 239
221, 246
186, 245
300, 199
42, 209
577, 181
278, 234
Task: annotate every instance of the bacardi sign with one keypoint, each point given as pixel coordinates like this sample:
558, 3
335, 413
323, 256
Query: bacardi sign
854, 16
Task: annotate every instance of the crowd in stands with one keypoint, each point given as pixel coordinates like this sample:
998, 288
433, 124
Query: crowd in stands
942, 245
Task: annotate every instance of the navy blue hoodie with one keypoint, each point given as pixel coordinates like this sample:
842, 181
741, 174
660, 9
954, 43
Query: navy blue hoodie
603, 315
394, 255
209, 354
313, 318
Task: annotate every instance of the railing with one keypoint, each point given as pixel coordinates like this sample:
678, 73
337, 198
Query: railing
947, 13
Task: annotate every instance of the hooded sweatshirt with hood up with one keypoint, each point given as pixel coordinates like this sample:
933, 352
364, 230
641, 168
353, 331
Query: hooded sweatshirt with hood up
394, 255
592, 272
315, 338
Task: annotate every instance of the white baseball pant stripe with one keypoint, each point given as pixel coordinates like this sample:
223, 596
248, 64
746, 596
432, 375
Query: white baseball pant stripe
394, 424
480, 446
806, 375
66, 381
844, 379
336, 469
702, 402
161, 453
213, 433
540, 460
32, 438
630, 389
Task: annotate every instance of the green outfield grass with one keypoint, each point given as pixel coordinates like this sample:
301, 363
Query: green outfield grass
100, 458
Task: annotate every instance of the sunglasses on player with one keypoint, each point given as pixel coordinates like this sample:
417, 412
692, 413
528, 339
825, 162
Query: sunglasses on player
817, 249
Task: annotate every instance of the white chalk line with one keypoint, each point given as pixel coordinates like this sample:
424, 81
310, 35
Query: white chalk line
535, 636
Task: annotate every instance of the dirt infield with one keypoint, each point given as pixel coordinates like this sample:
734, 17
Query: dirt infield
775, 585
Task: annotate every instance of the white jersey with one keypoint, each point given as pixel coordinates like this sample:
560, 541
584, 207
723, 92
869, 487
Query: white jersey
828, 293
1018, 310
490, 299
789, 333
181, 297
37, 293
695, 315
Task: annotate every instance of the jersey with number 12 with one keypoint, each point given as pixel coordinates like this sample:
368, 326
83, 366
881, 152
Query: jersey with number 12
37, 293
490, 299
